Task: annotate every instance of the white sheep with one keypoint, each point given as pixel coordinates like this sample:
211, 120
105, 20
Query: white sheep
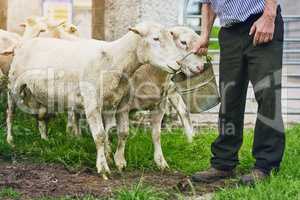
33, 27
96, 75
149, 87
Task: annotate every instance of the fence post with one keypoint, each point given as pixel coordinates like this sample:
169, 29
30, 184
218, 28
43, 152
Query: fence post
3, 14
98, 20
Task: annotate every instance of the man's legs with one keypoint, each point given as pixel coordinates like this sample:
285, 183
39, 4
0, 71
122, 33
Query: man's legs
265, 70
233, 90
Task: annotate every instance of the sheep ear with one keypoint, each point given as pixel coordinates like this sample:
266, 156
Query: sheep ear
174, 34
9, 51
136, 31
54, 24
61, 23
140, 30
73, 29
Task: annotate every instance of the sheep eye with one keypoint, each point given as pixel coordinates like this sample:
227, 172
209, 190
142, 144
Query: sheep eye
156, 39
183, 43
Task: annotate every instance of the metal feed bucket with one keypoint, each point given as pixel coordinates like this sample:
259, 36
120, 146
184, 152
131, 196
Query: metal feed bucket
199, 92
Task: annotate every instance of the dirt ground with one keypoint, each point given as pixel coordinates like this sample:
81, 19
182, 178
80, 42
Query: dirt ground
41, 180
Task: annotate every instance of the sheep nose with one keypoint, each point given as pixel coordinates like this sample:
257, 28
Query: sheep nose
178, 62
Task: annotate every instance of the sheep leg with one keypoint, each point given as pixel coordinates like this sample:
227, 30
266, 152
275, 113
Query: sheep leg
9, 118
156, 120
73, 124
106, 118
109, 121
42, 122
77, 129
43, 126
93, 112
70, 122
181, 109
94, 119
123, 132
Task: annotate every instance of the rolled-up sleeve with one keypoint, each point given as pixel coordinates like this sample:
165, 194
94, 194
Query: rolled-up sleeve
204, 1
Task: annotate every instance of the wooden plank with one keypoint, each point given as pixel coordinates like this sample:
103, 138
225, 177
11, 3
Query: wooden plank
3, 14
288, 70
98, 20
289, 107
212, 119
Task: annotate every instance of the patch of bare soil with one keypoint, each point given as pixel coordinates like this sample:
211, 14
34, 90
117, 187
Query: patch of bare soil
42, 180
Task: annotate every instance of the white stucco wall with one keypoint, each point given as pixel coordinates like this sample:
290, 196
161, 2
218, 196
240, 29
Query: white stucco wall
164, 12
121, 14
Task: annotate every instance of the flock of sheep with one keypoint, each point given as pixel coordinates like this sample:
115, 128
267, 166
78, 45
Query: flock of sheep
51, 69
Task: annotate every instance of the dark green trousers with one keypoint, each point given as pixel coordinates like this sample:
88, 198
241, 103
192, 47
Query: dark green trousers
240, 63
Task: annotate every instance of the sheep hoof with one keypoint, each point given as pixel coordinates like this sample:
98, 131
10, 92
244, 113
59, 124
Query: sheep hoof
103, 169
120, 162
10, 141
44, 138
162, 164
121, 168
105, 177
164, 167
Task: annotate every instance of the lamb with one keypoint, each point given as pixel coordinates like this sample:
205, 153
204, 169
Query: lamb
149, 87
10, 41
33, 27
96, 75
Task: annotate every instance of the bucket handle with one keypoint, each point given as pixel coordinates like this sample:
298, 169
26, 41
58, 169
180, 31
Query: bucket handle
207, 57
198, 86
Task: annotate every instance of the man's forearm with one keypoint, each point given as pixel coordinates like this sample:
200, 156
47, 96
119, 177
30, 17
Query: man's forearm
270, 8
208, 18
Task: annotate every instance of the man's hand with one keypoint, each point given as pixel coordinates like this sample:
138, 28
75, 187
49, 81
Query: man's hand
208, 18
263, 28
201, 46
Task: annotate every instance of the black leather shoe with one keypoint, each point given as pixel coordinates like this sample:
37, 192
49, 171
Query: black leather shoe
212, 175
256, 175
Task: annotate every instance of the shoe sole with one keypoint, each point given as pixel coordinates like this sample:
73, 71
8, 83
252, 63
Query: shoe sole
211, 180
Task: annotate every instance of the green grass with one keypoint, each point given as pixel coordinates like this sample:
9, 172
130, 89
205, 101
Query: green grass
285, 185
135, 192
79, 153
140, 192
69, 198
9, 193
181, 156
214, 34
